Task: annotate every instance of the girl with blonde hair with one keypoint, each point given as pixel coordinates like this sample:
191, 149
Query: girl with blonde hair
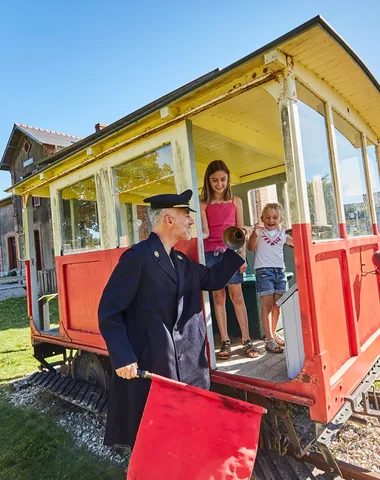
268, 241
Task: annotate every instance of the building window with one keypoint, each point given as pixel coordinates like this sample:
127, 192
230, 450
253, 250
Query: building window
12, 254
258, 198
352, 177
151, 174
80, 217
36, 201
320, 186
28, 162
37, 247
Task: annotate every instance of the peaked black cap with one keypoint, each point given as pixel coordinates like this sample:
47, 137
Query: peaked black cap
171, 200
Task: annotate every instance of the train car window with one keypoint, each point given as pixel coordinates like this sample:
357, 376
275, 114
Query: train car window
320, 186
375, 177
150, 174
352, 177
80, 217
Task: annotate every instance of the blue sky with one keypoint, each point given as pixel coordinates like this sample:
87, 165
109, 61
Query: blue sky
69, 65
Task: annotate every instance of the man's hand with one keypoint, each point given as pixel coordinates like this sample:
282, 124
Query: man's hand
128, 372
247, 231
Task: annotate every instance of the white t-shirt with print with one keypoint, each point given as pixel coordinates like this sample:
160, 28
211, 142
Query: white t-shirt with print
270, 249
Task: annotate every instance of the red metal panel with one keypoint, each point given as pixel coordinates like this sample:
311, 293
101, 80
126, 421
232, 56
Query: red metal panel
81, 279
331, 313
365, 290
347, 312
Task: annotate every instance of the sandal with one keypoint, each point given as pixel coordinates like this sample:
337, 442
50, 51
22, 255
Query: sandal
279, 340
225, 350
250, 350
272, 346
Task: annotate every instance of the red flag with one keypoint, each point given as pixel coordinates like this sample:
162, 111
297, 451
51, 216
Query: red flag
192, 434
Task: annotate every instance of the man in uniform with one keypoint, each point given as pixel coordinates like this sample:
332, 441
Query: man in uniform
151, 317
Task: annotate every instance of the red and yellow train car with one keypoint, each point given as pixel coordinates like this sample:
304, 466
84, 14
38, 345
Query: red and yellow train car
299, 117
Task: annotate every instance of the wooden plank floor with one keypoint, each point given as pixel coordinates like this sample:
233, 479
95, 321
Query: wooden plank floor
269, 366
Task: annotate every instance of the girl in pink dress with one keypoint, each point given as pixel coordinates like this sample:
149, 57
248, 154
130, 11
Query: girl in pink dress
219, 210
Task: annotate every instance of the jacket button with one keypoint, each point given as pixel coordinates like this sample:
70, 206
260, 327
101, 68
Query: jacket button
176, 329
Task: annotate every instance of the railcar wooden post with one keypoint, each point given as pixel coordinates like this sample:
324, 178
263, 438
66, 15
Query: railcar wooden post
106, 208
185, 177
333, 151
371, 201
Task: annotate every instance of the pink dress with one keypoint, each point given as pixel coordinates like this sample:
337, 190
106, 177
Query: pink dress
219, 217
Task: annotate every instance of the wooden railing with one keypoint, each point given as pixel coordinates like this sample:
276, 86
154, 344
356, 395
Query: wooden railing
47, 281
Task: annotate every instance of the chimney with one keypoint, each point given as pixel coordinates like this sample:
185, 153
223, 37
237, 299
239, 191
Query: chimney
99, 126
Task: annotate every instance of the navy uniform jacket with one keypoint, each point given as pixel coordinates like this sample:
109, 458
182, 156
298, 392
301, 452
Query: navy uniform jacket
151, 313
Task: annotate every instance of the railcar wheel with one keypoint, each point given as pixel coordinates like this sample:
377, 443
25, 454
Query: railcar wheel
89, 368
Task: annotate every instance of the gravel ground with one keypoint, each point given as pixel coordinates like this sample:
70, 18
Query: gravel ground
86, 428
356, 444
359, 444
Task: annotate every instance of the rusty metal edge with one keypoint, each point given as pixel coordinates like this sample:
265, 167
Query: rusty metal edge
349, 472
265, 392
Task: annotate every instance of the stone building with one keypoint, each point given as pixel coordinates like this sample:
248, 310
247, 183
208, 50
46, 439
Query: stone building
25, 148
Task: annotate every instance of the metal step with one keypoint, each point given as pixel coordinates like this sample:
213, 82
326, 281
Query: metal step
74, 391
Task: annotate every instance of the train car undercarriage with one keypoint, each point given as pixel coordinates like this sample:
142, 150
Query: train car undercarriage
82, 378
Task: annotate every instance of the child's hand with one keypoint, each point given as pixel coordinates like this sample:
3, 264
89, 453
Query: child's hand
256, 229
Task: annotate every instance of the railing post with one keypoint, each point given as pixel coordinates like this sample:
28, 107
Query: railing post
31, 256
333, 150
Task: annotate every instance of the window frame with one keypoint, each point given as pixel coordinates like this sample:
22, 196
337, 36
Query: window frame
61, 217
331, 103
331, 148
365, 163
180, 139
114, 182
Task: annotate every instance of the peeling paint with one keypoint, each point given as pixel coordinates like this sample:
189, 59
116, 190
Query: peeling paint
180, 163
305, 378
289, 61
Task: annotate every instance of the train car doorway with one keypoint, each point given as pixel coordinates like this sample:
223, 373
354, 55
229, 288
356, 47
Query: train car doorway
246, 133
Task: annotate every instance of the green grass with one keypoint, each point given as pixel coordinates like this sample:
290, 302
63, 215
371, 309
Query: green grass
54, 313
16, 354
33, 447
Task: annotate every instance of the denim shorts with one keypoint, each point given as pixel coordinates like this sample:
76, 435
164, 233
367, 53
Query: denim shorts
270, 281
211, 260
